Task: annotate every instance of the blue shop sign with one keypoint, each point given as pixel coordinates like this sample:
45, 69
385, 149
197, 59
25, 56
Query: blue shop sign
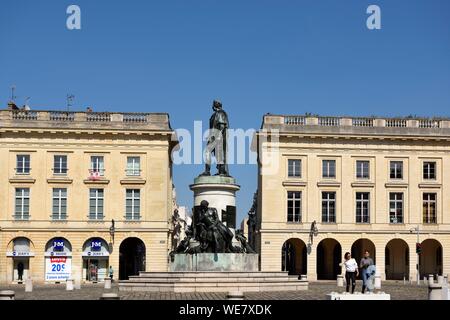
58, 244
96, 245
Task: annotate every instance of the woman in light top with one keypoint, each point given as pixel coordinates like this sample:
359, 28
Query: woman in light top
351, 271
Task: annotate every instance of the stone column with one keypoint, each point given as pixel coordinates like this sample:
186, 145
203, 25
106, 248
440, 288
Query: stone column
311, 258
412, 261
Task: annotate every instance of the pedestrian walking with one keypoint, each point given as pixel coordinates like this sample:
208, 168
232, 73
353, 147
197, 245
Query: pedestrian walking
351, 271
365, 263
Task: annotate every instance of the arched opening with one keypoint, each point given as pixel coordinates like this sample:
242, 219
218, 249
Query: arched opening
131, 258
293, 256
430, 259
329, 256
95, 259
360, 246
397, 260
58, 260
20, 250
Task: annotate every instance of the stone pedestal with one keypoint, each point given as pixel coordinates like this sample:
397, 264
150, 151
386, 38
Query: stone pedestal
107, 283
77, 283
340, 280
434, 291
358, 296
69, 285
219, 191
218, 262
28, 285
377, 283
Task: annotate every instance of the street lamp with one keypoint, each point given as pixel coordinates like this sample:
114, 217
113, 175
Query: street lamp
313, 232
112, 230
416, 229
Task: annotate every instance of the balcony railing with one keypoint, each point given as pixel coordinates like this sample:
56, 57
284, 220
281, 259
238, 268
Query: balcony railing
98, 117
89, 120
364, 122
425, 123
329, 121
24, 115
62, 116
135, 117
396, 123
294, 120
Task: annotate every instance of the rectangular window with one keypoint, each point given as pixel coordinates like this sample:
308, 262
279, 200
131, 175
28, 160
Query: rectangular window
59, 201
97, 165
429, 170
396, 170
429, 207
96, 204
23, 164
362, 169
133, 166
329, 168
294, 168
294, 207
396, 207
329, 207
133, 204
60, 165
362, 207
22, 204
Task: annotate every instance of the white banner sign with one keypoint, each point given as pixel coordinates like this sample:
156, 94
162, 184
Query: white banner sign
58, 268
95, 254
19, 254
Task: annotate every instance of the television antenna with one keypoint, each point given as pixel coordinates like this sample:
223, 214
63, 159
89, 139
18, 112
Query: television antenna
70, 98
13, 96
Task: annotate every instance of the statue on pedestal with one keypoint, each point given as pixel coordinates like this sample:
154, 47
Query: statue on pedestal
217, 141
213, 235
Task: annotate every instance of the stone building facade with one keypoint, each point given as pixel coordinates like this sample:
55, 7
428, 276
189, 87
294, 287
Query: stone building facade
83, 191
368, 183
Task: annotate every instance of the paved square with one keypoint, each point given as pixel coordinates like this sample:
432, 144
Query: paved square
317, 291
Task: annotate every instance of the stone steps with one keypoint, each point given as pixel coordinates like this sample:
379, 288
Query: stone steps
222, 279
211, 274
213, 282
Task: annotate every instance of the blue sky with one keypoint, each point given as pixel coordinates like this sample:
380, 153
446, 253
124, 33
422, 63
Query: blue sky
256, 56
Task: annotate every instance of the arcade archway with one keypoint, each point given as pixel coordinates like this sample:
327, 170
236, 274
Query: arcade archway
360, 246
431, 258
329, 256
293, 256
397, 260
131, 258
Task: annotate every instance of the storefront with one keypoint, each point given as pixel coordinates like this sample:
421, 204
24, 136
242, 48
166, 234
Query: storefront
95, 260
58, 260
20, 256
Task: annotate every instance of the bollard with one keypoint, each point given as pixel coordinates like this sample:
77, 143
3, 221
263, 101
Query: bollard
77, 284
377, 282
446, 278
107, 283
430, 279
303, 277
340, 280
235, 295
440, 280
69, 284
28, 285
110, 296
7, 295
434, 291
425, 281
